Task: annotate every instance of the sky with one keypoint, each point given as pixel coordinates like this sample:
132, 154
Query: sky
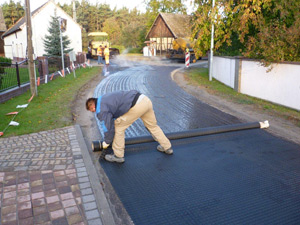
130, 4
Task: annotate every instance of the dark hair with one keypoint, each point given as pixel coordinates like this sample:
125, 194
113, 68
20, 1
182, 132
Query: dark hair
89, 102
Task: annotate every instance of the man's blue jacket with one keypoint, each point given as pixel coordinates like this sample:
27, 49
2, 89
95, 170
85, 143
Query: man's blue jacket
111, 106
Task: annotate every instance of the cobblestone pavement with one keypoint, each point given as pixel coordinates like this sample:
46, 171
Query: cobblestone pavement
44, 180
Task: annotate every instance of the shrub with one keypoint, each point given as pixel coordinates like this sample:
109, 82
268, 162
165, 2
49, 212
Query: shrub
135, 50
4, 62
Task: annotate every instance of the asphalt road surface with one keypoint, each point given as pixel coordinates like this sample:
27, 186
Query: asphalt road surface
240, 177
175, 109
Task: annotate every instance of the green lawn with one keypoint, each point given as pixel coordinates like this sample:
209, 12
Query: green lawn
50, 109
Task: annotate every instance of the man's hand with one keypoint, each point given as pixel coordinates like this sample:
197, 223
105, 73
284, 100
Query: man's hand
104, 145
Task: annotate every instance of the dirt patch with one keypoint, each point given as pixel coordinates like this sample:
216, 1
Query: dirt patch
279, 127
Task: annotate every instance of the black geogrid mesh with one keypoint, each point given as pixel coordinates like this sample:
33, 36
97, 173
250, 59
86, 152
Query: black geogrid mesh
243, 177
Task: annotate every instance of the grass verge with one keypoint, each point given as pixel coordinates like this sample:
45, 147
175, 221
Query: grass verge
199, 77
51, 109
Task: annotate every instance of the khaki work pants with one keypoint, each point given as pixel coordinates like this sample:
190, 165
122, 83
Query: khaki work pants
143, 110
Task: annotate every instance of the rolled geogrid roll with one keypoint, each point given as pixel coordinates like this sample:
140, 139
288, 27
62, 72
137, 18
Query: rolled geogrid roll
96, 146
200, 132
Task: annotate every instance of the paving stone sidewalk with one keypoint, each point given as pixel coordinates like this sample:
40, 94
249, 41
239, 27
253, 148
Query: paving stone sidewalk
44, 180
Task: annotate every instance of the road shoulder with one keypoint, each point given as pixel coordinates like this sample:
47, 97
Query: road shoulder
279, 127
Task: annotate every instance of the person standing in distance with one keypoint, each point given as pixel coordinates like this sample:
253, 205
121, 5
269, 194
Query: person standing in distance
117, 111
100, 54
89, 54
106, 55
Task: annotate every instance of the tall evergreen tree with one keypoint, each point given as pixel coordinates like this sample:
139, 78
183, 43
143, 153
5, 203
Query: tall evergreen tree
68, 8
52, 41
83, 14
12, 12
104, 12
20, 10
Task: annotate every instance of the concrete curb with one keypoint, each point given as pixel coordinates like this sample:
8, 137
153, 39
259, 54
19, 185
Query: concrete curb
102, 203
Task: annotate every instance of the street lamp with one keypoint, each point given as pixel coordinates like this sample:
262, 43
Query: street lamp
211, 44
62, 28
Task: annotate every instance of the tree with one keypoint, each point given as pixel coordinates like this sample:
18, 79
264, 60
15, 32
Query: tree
134, 31
202, 23
130, 35
52, 41
154, 7
113, 29
82, 14
269, 29
85, 40
67, 8
94, 19
104, 12
12, 12
126, 28
263, 29
19, 11
167, 6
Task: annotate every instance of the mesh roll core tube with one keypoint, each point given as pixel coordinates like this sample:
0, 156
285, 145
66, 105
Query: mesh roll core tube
199, 132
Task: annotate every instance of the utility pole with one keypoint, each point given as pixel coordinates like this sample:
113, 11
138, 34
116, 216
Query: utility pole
33, 88
211, 43
74, 11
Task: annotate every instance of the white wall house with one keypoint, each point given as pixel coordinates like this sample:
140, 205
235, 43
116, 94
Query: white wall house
15, 38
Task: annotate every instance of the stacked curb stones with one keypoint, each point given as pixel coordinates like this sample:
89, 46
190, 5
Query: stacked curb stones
44, 180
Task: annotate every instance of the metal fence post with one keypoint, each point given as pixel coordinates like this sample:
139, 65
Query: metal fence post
18, 74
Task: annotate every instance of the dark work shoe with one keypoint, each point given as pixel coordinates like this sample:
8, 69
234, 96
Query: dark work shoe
168, 151
113, 158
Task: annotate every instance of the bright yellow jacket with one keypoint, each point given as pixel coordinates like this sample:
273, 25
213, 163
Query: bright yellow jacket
99, 51
106, 52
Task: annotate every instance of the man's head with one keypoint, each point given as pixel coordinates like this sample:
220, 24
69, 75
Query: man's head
90, 104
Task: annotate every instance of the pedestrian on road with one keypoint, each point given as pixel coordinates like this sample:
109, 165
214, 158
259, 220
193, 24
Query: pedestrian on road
100, 54
106, 55
89, 55
117, 111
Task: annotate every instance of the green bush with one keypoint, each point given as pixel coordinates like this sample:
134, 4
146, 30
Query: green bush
2, 70
5, 60
123, 50
120, 47
135, 50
